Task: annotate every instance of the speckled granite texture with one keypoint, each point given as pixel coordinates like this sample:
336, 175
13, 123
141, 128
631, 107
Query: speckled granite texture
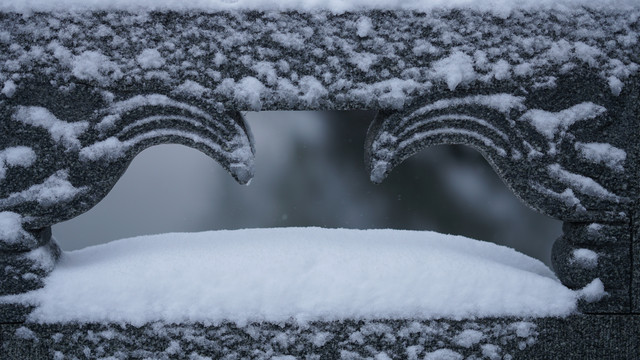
586, 337
635, 286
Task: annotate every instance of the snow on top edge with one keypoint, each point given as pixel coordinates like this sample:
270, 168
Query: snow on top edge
494, 6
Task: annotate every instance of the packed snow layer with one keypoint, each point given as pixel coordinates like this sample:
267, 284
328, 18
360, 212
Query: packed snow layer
302, 274
334, 5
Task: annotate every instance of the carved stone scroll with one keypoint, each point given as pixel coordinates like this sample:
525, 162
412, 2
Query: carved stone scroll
568, 155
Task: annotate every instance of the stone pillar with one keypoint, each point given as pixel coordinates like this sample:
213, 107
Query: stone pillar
592, 255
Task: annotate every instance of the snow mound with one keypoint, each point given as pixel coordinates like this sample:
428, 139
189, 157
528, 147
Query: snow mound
300, 274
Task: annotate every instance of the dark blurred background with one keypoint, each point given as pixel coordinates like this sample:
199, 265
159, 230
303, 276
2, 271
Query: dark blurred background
310, 172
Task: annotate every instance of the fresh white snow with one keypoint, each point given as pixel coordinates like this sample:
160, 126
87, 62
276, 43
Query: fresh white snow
150, 59
302, 274
567, 196
581, 183
468, 338
443, 354
93, 65
364, 26
551, 124
319, 61
9, 88
594, 291
25, 333
249, 91
60, 131
11, 231
22, 156
585, 257
54, 190
455, 69
497, 6
502, 102
603, 153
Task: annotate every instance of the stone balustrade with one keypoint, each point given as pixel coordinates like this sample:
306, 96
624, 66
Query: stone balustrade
549, 97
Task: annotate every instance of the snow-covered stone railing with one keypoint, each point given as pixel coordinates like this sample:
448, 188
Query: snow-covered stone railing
547, 93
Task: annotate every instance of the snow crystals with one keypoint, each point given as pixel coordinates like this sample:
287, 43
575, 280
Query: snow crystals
93, 65
249, 91
377, 340
444, 354
551, 124
603, 153
25, 333
42, 258
363, 61
11, 231
54, 190
593, 292
586, 258
359, 59
109, 149
192, 88
468, 338
150, 59
312, 91
364, 26
615, 84
22, 156
455, 69
9, 88
581, 183
501, 8
60, 131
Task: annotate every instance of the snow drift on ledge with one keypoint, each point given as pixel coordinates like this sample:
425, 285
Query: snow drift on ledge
499, 6
303, 274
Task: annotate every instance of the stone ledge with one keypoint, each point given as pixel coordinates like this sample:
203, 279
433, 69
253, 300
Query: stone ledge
584, 337
309, 61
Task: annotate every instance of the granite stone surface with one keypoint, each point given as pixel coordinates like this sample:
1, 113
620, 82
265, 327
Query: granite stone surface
587, 251
635, 258
23, 271
14, 313
583, 337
